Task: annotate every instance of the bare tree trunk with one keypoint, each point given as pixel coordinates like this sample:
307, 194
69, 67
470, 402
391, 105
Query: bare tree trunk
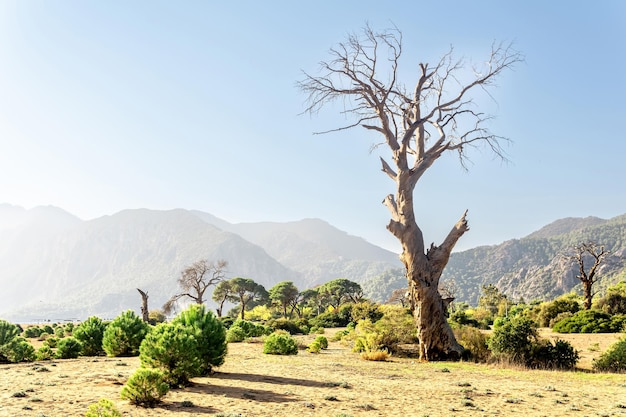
145, 314
588, 294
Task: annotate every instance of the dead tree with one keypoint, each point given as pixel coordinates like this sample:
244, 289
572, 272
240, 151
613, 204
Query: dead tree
145, 315
596, 254
437, 116
195, 280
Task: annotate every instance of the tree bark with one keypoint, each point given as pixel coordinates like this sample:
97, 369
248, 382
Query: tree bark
145, 314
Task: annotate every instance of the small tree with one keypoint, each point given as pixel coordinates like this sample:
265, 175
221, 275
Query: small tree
245, 291
220, 295
195, 280
90, 333
284, 294
583, 253
341, 290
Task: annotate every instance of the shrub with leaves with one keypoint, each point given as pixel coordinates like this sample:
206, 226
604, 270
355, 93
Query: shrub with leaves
514, 339
8, 332
314, 347
16, 350
395, 328
235, 335
68, 348
474, 341
590, 321
32, 332
280, 343
146, 387
123, 336
209, 333
558, 355
613, 360
285, 324
51, 341
90, 333
323, 341
172, 349
103, 408
44, 353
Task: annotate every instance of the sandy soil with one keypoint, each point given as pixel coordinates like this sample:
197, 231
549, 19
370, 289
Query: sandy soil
333, 383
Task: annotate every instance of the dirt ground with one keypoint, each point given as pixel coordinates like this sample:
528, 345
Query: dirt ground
333, 383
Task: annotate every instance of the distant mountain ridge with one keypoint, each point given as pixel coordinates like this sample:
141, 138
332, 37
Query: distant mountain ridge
53, 264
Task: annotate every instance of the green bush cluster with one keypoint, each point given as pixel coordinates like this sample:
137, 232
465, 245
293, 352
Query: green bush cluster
591, 321
191, 345
123, 336
14, 348
288, 325
329, 319
474, 341
517, 341
241, 330
320, 343
280, 343
68, 348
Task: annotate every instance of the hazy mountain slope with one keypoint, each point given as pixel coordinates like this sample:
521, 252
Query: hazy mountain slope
318, 250
95, 267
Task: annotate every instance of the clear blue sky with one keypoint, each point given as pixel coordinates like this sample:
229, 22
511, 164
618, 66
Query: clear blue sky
108, 105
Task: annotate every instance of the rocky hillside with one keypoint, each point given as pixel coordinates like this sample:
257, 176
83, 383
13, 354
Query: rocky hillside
532, 268
53, 265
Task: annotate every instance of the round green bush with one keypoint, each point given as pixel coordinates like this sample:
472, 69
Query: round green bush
68, 348
103, 408
235, 335
172, 349
145, 387
514, 339
314, 347
90, 333
32, 332
16, 350
588, 321
123, 336
280, 344
209, 333
44, 353
323, 341
613, 360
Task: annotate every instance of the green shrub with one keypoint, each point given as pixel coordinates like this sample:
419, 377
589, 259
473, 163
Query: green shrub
44, 353
59, 332
323, 341
613, 360
123, 336
514, 339
588, 321
90, 334
8, 331
395, 328
69, 328
314, 347
285, 324
68, 348
209, 333
145, 387
32, 332
331, 319
47, 329
280, 343
251, 329
550, 310
474, 341
156, 316
546, 355
51, 341
16, 350
235, 335
172, 349
103, 408
365, 310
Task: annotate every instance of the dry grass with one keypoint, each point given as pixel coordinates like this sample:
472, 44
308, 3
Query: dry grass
332, 383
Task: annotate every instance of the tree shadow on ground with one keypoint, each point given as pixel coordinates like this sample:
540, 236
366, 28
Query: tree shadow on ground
241, 392
178, 407
270, 379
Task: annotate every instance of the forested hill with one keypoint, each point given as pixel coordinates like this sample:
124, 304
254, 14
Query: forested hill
532, 268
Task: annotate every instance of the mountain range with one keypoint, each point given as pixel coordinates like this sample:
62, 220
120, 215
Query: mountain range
56, 266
